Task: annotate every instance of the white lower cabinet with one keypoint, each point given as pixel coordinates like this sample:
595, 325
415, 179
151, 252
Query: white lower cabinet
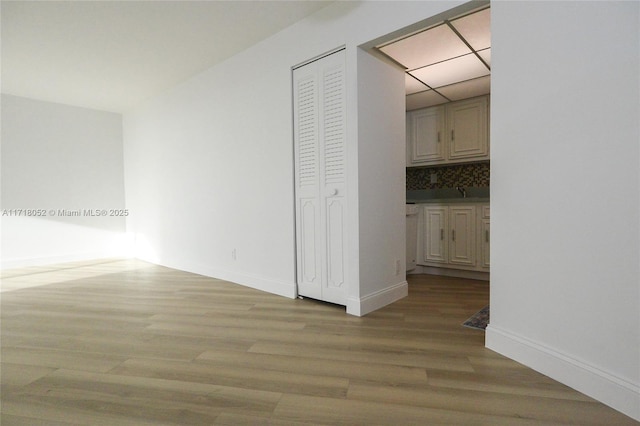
462, 250
484, 238
435, 241
454, 236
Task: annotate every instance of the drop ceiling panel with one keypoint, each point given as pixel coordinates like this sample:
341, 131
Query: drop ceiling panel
424, 99
467, 89
438, 58
452, 71
425, 48
412, 85
486, 55
475, 28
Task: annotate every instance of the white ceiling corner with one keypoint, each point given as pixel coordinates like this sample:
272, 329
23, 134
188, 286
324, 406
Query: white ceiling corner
111, 56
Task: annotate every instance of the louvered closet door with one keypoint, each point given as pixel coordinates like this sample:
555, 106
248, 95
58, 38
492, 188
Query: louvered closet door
319, 140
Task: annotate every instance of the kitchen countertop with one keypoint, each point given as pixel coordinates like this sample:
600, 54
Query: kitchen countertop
449, 200
448, 195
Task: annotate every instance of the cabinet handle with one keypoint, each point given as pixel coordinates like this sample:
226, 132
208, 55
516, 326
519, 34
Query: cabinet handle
453, 234
441, 234
438, 137
453, 134
486, 235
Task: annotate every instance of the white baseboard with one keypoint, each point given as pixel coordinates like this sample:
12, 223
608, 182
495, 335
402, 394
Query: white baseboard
605, 387
448, 272
377, 300
268, 285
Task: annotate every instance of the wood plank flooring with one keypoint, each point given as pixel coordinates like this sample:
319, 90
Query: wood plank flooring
123, 342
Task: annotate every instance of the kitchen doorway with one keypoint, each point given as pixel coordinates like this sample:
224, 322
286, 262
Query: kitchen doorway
447, 63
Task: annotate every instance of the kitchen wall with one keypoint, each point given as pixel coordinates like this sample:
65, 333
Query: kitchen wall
468, 175
60, 158
381, 175
565, 193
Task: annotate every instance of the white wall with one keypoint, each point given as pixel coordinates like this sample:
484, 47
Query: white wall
209, 164
382, 186
60, 157
209, 168
565, 192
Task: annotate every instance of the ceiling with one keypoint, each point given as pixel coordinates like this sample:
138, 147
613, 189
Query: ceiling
445, 62
112, 55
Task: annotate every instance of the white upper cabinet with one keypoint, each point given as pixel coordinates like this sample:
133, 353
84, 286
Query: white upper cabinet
452, 133
426, 128
467, 127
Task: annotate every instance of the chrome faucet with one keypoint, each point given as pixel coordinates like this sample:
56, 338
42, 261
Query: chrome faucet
462, 191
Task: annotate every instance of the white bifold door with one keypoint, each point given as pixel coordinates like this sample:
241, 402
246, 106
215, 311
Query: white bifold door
320, 177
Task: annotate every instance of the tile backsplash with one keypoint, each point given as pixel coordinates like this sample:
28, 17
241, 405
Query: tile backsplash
469, 175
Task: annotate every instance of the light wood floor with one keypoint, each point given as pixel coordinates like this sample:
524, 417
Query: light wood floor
128, 343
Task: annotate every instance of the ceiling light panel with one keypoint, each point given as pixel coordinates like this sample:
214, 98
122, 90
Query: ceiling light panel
486, 56
412, 85
467, 89
448, 72
425, 48
475, 28
424, 99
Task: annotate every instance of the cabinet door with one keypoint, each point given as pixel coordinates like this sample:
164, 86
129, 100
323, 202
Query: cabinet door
462, 243
435, 230
412, 239
484, 244
426, 142
467, 129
